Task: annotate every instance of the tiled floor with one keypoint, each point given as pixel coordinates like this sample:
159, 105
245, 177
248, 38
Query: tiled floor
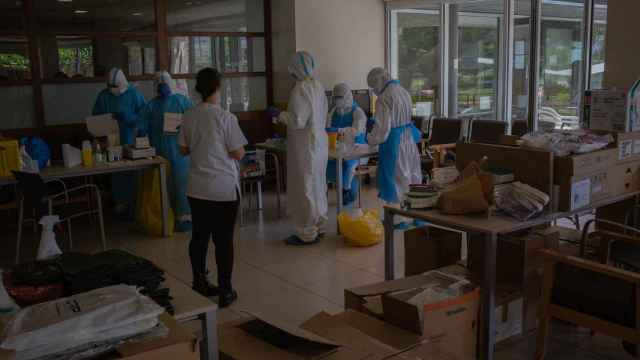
294, 283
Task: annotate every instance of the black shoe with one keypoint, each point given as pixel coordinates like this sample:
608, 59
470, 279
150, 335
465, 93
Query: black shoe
203, 287
227, 298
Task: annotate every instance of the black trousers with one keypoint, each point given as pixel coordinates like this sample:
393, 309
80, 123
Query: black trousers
213, 220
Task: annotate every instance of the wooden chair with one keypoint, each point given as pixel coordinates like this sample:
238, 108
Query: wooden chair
605, 294
589, 294
487, 131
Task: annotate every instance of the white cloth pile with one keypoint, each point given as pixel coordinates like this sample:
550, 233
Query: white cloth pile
564, 143
102, 315
520, 200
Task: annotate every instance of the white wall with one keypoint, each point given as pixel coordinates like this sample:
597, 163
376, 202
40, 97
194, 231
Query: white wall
346, 38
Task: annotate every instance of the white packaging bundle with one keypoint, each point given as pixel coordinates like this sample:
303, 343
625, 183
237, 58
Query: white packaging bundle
99, 315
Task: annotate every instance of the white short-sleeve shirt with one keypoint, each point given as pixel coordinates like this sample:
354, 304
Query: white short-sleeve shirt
211, 133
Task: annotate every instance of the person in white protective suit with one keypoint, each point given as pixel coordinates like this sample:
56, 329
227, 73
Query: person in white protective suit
348, 119
307, 152
399, 160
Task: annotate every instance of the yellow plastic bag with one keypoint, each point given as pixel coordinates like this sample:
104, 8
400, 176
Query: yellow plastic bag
9, 157
361, 228
149, 204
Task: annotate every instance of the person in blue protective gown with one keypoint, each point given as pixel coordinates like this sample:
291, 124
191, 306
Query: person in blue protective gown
125, 102
349, 120
399, 160
166, 144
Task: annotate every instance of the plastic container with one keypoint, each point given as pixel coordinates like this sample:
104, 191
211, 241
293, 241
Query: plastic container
9, 157
87, 153
333, 140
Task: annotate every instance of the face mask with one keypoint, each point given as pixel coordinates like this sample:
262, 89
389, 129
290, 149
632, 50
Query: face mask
164, 90
340, 103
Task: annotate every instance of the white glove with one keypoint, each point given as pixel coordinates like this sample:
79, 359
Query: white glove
284, 118
349, 134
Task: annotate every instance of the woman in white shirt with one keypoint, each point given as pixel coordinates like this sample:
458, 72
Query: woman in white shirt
213, 138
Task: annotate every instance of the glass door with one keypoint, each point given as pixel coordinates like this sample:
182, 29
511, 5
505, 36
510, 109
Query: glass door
475, 67
415, 56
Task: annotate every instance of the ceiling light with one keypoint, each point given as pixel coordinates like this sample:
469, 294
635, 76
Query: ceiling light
80, 11
136, 14
65, 1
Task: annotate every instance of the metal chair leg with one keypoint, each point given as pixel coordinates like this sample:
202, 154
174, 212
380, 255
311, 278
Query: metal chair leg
20, 223
259, 194
101, 221
69, 233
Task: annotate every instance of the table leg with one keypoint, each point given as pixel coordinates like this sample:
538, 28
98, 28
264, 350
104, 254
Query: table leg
209, 344
389, 246
339, 184
164, 199
488, 314
276, 161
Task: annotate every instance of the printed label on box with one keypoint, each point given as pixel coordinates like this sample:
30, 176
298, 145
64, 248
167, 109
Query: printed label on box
580, 194
626, 149
636, 147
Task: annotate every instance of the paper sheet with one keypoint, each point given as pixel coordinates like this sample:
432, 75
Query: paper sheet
102, 125
172, 122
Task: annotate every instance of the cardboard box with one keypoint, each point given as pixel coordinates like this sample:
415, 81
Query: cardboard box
430, 248
576, 165
628, 145
453, 322
581, 191
624, 179
179, 344
357, 330
607, 110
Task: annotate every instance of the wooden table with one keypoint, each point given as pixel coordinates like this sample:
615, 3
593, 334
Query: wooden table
491, 228
61, 172
189, 305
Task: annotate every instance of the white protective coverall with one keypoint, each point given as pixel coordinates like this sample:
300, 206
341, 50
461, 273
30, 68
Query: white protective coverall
394, 110
307, 150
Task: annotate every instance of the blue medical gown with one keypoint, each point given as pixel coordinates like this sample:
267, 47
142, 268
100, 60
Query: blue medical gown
128, 105
167, 146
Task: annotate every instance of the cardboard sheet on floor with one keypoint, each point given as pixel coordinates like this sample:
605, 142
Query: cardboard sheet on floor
262, 339
362, 332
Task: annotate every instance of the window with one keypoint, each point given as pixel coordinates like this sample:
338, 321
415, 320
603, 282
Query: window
14, 58
71, 56
561, 84
228, 54
521, 61
598, 43
215, 16
416, 56
475, 87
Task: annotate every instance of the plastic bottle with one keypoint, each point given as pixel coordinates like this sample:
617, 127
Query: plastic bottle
48, 246
98, 156
87, 153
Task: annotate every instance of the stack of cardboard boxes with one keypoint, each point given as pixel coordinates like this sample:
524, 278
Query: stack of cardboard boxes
585, 179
